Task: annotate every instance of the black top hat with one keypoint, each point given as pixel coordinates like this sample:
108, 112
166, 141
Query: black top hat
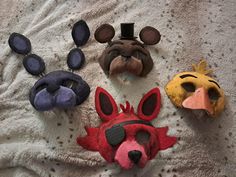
127, 31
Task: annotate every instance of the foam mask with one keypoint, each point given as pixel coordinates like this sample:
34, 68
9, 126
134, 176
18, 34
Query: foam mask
62, 89
127, 138
197, 91
126, 54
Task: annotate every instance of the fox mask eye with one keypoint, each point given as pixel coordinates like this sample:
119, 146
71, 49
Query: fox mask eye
142, 137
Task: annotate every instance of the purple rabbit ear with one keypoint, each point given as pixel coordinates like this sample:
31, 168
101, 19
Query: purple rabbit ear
75, 59
34, 64
80, 33
19, 43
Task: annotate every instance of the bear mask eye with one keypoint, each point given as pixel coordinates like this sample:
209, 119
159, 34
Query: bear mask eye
189, 86
142, 137
213, 94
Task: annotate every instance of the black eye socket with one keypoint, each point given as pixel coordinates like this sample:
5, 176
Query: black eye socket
68, 83
189, 86
213, 94
139, 55
116, 42
41, 87
114, 53
115, 135
142, 137
137, 44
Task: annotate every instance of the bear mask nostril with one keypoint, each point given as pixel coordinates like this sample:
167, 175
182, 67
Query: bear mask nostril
51, 88
135, 156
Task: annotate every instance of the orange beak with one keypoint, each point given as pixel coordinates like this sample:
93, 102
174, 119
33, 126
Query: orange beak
199, 100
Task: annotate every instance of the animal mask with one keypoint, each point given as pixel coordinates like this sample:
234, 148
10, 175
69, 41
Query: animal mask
127, 138
127, 53
195, 90
61, 89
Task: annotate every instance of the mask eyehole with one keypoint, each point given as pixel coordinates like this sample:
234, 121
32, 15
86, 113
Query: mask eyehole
142, 137
139, 55
68, 83
188, 86
213, 94
41, 87
114, 53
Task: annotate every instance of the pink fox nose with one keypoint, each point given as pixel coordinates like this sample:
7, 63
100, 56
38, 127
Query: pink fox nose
199, 100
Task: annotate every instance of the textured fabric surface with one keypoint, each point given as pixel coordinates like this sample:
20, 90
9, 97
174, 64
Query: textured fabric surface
44, 144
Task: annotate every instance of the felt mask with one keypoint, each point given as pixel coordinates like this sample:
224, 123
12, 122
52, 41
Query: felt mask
197, 91
62, 89
126, 54
127, 138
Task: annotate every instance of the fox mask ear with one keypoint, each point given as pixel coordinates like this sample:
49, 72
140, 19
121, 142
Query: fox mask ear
106, 106
149, 105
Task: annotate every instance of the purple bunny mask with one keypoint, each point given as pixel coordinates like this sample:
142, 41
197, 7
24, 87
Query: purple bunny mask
61, 89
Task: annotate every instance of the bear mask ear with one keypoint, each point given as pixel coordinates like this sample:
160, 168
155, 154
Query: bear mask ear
104, 33
149, 105
106, 106
150, 35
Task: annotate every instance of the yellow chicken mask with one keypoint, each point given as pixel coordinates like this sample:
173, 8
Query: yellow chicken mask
197, 91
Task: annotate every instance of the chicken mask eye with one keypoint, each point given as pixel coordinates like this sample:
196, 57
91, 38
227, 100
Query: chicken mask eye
189, 86
213, 94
